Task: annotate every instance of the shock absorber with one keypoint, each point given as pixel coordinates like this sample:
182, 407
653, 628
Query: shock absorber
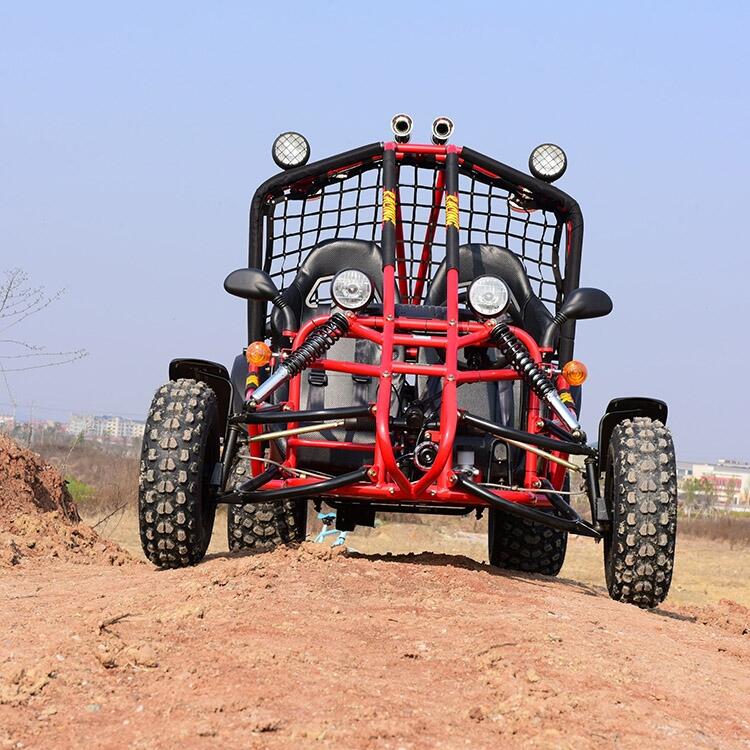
521, 361
320, 340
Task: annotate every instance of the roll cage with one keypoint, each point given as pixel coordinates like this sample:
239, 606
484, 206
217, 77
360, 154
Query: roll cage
340, 196
419, 202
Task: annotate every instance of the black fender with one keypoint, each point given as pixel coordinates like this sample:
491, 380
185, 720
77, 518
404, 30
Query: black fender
627, 408
212, 374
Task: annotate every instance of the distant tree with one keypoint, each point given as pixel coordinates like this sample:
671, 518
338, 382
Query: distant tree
697, 495
708, 489
688, 491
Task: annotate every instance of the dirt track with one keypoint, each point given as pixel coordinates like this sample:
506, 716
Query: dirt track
297, 650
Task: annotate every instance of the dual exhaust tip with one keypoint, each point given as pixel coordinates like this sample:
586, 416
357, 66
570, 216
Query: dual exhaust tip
402, 125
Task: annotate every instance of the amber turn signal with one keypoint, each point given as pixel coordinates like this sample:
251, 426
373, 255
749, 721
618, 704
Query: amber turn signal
575, 372
258, 354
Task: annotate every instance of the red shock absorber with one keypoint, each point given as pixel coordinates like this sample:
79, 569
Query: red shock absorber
521, 361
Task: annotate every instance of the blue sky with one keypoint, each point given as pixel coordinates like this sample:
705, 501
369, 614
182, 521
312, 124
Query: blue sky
134, 134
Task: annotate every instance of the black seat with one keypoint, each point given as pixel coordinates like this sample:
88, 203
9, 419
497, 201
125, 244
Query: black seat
526, 310
323, 262
322, 390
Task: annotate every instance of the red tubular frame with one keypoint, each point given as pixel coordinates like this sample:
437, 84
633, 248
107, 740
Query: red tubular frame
424, 261
388, 482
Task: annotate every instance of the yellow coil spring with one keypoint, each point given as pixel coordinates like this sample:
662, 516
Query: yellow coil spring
389, 206
451, 211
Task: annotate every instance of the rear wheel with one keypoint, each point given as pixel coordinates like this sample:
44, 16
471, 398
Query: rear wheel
518, 544
180, 450
260, 527
641, 493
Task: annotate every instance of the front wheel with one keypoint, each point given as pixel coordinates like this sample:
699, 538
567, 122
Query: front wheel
261, 527
523, 545
180, 450
641, 493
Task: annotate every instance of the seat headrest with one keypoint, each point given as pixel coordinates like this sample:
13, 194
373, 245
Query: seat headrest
526, 309
325, 260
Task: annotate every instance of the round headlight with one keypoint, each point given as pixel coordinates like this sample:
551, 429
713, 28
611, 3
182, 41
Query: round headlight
488, 296
548, 162
290, 150
351, 289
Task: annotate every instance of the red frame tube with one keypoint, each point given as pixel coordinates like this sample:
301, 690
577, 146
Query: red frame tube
426, 257
389, 483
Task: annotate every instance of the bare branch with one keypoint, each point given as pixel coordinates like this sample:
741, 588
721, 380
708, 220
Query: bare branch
7, 288
42, 354
19, 301
71, 357
24, 344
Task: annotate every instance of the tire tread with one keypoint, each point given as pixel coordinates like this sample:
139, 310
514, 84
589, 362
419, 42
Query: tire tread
171, 513
261, 527
639, 554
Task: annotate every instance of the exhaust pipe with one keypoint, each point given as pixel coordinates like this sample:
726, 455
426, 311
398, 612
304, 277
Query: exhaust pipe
442, 128
401, 126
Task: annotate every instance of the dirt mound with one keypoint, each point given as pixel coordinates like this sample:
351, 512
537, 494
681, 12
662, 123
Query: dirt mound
310, 647
28, 485
726, 615
38, 518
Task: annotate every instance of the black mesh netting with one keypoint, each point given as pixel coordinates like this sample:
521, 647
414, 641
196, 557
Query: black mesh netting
349, 207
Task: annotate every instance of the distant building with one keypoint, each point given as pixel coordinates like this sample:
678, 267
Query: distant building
7, 423
729, 479
106, 427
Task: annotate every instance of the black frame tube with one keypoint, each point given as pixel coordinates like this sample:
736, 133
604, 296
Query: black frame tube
421, 509
565, 509
289, 493
282, 417
599, 510
540, 441
567, 209
547, 197
556, 429
579, 527
388, 236
257, 482
231, 439
451, 227
258, 255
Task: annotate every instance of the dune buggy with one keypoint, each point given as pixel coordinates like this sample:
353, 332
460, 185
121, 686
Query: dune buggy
411, 314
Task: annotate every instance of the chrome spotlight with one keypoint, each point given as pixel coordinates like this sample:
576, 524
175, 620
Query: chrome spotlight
401, 126
442, 128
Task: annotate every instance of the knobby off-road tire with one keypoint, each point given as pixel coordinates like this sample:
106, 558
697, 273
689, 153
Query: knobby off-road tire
641, 492
260, 527
527, 546
180, 450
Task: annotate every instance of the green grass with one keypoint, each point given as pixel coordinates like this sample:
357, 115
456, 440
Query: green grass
81, 492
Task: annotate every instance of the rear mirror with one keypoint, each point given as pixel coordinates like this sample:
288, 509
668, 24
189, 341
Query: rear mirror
254, 284
585, 303
251, 283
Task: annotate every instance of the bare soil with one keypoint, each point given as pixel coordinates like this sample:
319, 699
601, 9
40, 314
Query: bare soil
308, 648
311, 647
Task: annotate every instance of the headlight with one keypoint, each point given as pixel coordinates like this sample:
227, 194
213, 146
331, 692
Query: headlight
488, 296
290, 150
351, 289
548, 162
